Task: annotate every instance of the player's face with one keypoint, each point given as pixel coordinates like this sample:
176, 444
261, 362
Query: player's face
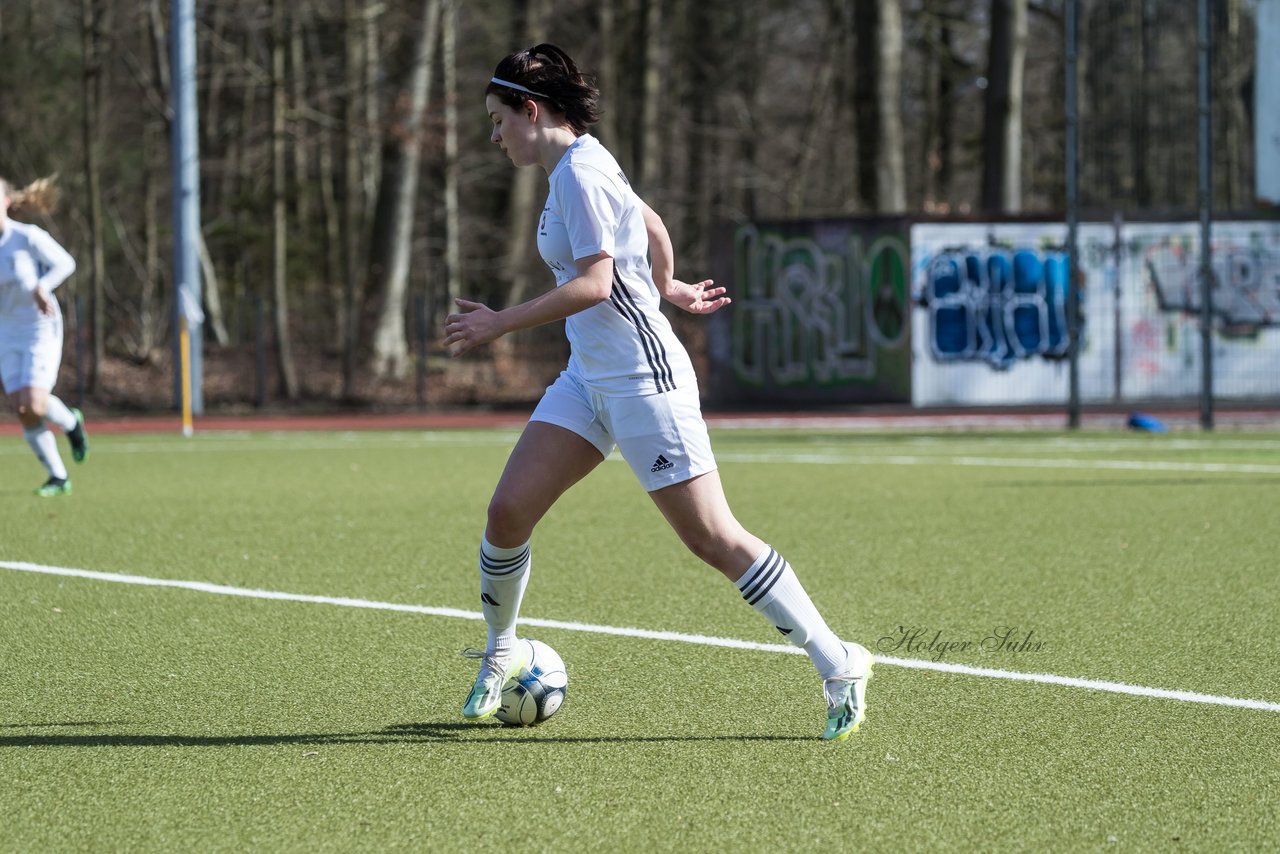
513, 131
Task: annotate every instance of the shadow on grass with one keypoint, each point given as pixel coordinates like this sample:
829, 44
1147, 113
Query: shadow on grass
417, 733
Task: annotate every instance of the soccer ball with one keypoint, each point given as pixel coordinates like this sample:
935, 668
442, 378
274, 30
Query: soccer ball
535, 693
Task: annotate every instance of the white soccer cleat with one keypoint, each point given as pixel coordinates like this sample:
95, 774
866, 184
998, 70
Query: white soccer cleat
847, 694
486, 693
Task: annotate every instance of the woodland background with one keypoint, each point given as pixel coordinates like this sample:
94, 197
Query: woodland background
348, 189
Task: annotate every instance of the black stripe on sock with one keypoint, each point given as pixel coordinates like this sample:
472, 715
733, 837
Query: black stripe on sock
764, 578
507, 566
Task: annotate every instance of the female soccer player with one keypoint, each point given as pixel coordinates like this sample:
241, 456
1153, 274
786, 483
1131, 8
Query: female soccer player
629, 381
32, 264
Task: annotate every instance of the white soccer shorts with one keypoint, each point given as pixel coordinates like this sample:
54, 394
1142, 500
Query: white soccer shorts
661, 435
30, 366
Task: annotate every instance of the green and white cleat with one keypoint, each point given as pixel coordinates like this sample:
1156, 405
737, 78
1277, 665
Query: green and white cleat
54, 486
78, 438
847, 695
486, 693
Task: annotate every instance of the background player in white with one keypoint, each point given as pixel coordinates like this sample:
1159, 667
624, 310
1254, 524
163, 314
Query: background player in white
32, 264
629, 381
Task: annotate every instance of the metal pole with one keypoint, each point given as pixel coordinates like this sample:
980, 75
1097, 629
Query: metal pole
1117, 227
1073, 215
1206, 217
186, 203
259, 355
420, 347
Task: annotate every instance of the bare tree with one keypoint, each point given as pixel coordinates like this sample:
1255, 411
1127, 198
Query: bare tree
354, 17
878, 96
92, 17
394, 216
452, 214
1002, 163
523, 203
284, 341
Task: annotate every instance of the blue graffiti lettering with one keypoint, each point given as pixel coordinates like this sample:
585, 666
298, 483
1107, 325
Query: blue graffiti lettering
997, 306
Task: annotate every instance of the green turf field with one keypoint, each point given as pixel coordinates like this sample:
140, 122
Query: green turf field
145, 718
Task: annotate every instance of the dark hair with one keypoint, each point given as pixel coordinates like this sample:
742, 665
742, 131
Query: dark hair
554, 78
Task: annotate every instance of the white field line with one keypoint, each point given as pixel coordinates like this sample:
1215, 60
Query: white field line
703, 640
1001, 462
349, 442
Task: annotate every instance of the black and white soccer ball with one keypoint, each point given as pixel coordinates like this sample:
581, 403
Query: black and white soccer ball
537, 692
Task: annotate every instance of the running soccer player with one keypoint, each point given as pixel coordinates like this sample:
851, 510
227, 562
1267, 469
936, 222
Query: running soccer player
629, 382
32, 264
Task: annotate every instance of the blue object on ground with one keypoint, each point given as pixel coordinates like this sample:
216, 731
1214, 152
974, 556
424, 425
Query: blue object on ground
1146, 423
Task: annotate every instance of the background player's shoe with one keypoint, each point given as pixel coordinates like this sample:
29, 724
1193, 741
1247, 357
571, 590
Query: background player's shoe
78, 438
847, 694
486, 694
54, 486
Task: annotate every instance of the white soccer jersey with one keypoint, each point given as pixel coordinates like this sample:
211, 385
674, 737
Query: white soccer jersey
29, 258
624, 345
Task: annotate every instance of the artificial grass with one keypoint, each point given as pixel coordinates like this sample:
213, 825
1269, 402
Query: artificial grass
139, 718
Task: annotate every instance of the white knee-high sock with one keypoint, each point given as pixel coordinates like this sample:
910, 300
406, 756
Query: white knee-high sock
45, 445
60, 415
770, 586
504, 574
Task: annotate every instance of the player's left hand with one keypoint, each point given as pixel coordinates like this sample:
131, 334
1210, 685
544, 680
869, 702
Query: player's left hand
696, 298
475, 324
44, 302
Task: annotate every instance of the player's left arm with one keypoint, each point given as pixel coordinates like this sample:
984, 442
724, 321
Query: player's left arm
56, 266
696, 297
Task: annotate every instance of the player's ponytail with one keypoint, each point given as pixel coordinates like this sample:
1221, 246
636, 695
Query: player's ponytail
548, 73
39, 197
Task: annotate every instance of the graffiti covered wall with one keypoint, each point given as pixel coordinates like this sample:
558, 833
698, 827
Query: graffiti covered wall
819, 315
972, 314
989, 326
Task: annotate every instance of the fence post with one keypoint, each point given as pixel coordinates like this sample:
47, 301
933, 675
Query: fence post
1073, 215
420, 347
1206, 216
260, 356
79, 301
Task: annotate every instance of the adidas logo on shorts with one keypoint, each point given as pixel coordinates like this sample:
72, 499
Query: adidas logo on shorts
661, 464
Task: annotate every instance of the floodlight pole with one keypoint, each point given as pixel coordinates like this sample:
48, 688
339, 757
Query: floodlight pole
1073, 215
186, 210
1206, 215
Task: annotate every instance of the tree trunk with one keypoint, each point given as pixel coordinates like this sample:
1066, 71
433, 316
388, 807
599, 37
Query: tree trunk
353, 51
1002, 126
523, 203
891, 183
452, 216
608, 70
284, 343
334, 252
653, 101
394, 217
91, 15
817, 114
878, 101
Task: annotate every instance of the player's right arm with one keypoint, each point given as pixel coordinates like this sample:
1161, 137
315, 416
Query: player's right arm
477, 324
